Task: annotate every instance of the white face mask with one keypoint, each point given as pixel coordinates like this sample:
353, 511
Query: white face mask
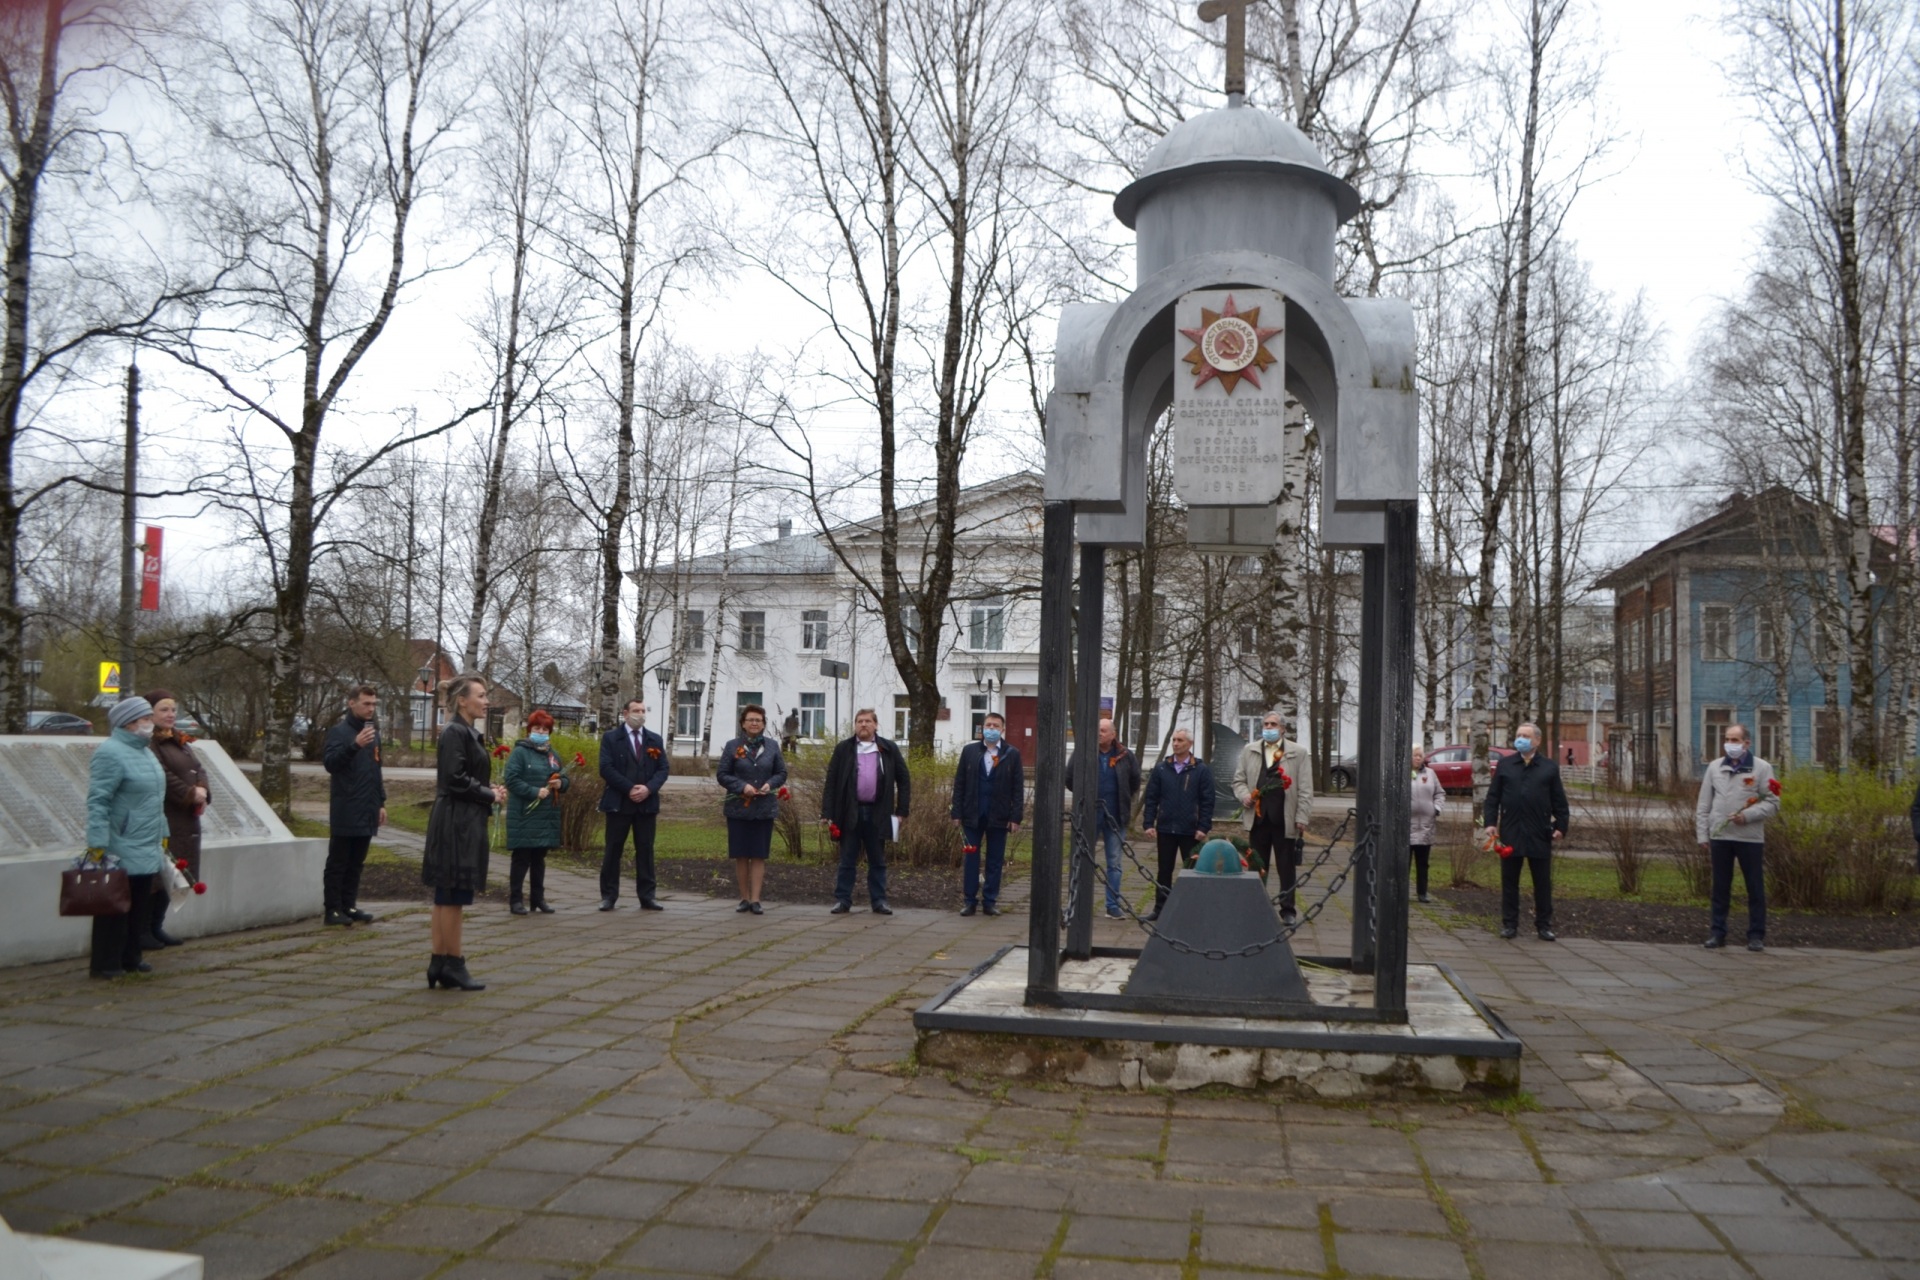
1733, 749
637, 719
143, 730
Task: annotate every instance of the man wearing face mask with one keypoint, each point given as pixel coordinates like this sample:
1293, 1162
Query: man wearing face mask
1527, 808
1737, 797
1274, 784
989, 800
633, 764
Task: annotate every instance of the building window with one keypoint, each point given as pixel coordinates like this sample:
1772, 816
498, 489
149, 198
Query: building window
693, 630
1774, 736
813, 716
1716, 633
977, 712
1826, 736
1766, 645
686, 714
910, 626
1152, 715
1251, 712
1249, 639
753, 631
1662, 636
987, 625
745, 699
813, 630
902, 716
1630, 646
1713, 730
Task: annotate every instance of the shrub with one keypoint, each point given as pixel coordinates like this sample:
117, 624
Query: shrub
581, 824
1459, 833
1841, 842
1682, 849
928, 837
1630, 832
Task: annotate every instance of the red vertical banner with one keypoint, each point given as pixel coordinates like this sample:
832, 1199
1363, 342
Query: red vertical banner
150, 572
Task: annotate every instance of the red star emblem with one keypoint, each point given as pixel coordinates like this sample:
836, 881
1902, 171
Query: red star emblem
1229, 345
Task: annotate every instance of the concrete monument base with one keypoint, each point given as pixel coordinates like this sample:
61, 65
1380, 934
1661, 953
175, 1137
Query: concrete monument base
25, 1257
1450, 1044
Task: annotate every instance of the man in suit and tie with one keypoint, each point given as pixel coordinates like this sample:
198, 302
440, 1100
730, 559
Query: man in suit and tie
633, 764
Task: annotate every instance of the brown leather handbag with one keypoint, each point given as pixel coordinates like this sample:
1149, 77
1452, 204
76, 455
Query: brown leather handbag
95, 891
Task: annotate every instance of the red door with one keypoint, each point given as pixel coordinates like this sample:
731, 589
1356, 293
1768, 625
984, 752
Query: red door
1023, 714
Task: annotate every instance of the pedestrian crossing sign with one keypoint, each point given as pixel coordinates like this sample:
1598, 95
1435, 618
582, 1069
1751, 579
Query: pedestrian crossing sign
109, 677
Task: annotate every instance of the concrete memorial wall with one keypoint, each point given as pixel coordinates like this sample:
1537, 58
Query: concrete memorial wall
256, 871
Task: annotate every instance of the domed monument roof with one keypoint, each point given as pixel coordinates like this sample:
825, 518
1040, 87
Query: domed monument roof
1232, 139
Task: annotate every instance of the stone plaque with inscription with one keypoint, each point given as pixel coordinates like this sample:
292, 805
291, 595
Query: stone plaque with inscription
1229, 398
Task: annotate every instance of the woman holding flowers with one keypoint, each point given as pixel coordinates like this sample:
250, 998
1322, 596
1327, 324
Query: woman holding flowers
187, 794
754, 774
534, 783
455, 862
1738, 793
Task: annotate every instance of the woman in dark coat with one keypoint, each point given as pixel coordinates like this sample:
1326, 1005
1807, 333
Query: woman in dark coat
534, 782
753, 771
187, 794
455, 862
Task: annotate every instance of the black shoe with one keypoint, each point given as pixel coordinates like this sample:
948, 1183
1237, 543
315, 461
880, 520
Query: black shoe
881, 908
540, 905
435, 967
1289, 916
1424, 898
743, 908
608, 904
1715, 942
841, 908
340, 918
150, 943
1755, 944
989, 911
648, 904
755, 908
1151, 915
968, 910
453, 973
1548, 935
166, 939
142, 967
1509, 931
359, 916
518, 908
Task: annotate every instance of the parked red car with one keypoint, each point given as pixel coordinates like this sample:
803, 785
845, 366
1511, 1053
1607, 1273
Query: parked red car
1454, 765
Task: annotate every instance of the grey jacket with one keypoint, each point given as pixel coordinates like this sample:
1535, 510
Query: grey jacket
1724, 793
1429, 800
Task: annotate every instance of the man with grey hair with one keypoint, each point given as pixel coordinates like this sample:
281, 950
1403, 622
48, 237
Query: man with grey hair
1737, 796
1274, 784
1526, 810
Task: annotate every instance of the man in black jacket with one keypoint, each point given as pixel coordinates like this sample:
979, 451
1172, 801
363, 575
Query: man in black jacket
1119, 774
1527, 809
1178, 809
989, 801
633, 764
357, 805
867, 787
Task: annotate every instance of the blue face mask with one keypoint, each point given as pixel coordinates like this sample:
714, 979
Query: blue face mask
1270, 735
1523, 745
989, 736
537, 739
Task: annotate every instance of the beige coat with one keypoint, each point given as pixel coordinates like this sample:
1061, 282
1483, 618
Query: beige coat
1429, 800
1298, 767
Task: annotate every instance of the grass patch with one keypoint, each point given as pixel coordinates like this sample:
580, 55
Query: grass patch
1660, 881
1513, 1104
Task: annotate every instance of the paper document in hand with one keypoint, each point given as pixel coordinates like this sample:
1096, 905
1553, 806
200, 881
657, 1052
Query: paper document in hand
896, 826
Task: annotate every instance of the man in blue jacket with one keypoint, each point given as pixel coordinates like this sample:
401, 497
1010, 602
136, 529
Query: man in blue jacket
989, 800
633, 764
1179, 809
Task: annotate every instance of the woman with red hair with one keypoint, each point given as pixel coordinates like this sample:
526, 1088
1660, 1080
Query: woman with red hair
534, 782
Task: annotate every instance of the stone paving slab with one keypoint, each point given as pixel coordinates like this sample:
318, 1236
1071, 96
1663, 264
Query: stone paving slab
699, 1093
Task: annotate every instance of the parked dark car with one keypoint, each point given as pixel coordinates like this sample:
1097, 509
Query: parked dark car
1454, 765
1343, 775
58, 722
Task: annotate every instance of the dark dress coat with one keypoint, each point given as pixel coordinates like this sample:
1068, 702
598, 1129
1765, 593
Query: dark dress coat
1528, 803
184, 773
742, 765
533, 823
358, 792
1179, 803
1006, 802
840, 795
456, 853
622, 772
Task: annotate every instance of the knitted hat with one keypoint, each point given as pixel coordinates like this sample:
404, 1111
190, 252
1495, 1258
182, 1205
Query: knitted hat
158, 696
127, 710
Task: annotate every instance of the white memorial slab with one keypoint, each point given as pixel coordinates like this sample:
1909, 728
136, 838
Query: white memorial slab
257, 872
25, 1257
1230, 398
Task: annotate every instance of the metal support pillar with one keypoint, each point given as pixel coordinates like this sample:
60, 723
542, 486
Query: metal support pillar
1050, 747
1371, 785
1396, 746
1087, 895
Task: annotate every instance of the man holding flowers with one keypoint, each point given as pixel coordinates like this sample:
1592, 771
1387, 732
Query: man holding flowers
1738, 793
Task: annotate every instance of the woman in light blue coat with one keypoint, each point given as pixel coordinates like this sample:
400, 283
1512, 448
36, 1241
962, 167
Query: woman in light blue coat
126, 821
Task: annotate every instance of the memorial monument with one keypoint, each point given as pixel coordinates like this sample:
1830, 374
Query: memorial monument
256, 871
1234, 324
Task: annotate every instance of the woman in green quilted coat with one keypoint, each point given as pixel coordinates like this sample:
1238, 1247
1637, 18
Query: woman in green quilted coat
127, 821
534, 783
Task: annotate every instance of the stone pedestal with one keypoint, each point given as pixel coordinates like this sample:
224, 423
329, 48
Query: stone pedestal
1213, 914
24, 1257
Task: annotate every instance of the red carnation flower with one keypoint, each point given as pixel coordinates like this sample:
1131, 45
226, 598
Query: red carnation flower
200, 887
969, 848
783, 793
1504, 850
833, 829
1773, 785
500, 751
579, 759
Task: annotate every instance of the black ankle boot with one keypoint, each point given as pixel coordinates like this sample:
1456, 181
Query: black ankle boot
436, 969
454, 974
540, 905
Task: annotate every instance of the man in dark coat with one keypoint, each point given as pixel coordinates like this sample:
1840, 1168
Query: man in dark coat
989, 802
633, 764
1178, 809
867, 787
1526, 808
358, 803
1119, 783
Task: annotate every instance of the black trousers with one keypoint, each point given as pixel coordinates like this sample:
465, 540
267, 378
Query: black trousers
116, 939
1541, 871
618, 825
529, 867
1723, 854
870, 832
346, 856
1274, 846
1170, 848
1422, 857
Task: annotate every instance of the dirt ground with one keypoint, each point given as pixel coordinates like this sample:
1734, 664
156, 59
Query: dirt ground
1616, 921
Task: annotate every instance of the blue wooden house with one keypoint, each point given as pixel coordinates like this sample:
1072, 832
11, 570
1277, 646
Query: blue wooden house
1730, 620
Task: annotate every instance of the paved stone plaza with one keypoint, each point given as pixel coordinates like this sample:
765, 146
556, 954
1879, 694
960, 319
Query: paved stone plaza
703, 1093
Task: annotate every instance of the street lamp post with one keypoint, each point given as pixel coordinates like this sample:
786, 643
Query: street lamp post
423, 690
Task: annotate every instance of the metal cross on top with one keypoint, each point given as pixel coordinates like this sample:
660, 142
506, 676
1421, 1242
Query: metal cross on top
1235, 12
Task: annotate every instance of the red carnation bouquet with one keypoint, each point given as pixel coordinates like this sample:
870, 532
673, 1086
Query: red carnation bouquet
179, 886
1492, 844
1773, 789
